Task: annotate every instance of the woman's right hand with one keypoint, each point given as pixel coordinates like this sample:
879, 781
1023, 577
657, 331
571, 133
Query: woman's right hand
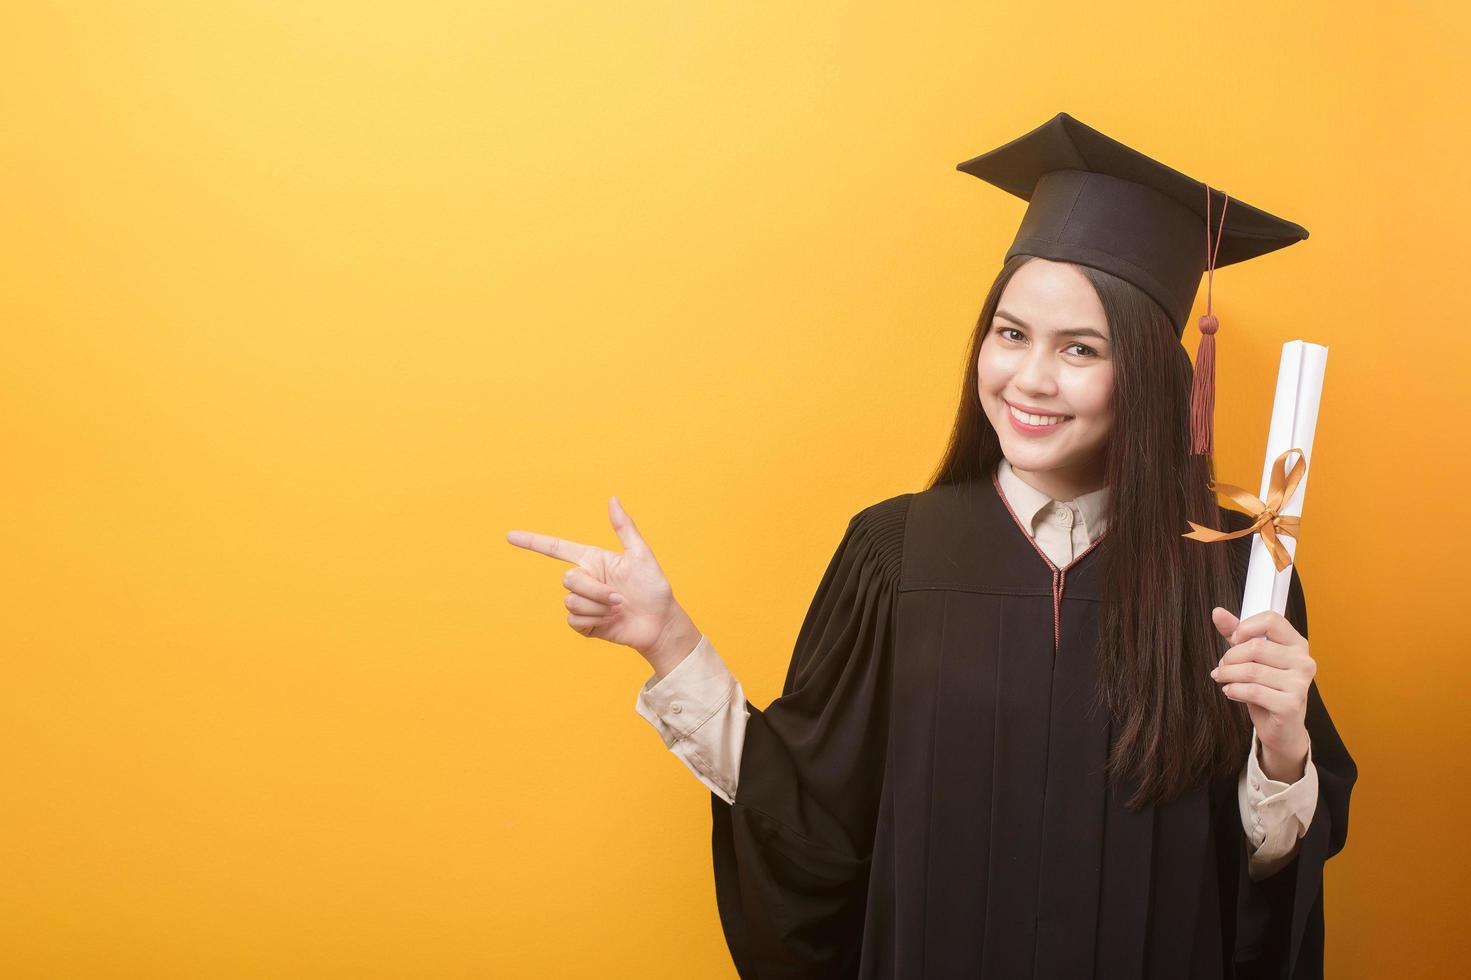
622, 598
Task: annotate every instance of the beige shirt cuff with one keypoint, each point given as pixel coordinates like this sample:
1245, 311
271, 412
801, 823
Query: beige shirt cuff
1274, 814
699, 710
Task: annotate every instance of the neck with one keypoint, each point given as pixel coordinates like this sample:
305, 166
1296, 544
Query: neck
1062, 484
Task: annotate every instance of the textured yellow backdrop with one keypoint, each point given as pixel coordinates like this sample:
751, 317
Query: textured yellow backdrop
305, 304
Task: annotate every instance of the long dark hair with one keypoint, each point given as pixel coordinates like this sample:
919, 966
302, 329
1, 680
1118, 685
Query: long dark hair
1172, 726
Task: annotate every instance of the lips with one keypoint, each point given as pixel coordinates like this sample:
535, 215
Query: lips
1032, 410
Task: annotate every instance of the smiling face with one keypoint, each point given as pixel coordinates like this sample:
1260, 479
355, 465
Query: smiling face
1048, 352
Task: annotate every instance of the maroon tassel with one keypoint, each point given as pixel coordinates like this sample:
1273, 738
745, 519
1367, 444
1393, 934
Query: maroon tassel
1203, 392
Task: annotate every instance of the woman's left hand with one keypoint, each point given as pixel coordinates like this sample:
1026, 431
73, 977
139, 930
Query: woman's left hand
1269, 668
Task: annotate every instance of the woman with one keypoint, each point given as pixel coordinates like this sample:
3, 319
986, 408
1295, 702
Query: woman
1011, 739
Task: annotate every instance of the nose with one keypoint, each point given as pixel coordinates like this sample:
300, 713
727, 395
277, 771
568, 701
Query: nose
1034, 375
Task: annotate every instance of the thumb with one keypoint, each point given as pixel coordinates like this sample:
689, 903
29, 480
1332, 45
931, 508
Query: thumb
1224, 620
624, 526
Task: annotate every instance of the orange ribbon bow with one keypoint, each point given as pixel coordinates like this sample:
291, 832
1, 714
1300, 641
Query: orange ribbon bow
1268, 521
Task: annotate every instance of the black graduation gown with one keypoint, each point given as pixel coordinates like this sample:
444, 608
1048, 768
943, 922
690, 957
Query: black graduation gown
926, 798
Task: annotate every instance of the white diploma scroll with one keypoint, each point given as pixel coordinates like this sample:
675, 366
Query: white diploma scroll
1294, 420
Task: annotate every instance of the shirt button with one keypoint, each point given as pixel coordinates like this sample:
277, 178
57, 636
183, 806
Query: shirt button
675, 708
1254, 783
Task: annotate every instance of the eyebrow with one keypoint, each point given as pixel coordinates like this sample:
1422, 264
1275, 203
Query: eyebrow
1073, 332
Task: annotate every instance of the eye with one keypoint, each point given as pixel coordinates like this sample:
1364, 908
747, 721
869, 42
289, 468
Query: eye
1085, 350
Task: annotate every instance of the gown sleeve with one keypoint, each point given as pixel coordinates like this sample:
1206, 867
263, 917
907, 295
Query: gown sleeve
1279, 920
792, 852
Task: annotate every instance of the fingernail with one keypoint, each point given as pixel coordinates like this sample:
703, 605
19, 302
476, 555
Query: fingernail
616, 597
1213, 673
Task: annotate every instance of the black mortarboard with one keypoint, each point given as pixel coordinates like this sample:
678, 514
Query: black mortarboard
1094, 201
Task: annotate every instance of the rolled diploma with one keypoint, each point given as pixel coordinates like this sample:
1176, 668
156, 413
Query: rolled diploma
1294, 420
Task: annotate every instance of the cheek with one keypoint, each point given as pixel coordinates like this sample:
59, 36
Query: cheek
1093, 393
991, 368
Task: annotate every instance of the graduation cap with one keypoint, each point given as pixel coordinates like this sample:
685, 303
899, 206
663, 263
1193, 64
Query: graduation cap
1096, 202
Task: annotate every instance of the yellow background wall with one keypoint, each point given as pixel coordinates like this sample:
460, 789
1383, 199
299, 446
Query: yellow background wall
305, 304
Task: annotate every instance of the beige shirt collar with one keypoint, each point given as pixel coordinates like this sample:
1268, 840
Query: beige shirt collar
1030, 503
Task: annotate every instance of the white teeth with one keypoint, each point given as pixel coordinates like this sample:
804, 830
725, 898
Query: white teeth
1037, 419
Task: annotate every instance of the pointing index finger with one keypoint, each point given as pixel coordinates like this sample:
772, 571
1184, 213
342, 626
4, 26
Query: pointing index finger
548, 545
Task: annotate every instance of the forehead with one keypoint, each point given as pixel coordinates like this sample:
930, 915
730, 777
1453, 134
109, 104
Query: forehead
1051, 296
